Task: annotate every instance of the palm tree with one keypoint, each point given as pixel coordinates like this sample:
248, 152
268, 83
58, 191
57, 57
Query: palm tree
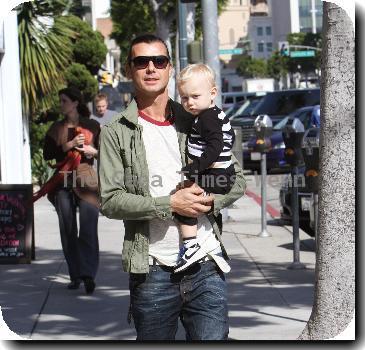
45, 51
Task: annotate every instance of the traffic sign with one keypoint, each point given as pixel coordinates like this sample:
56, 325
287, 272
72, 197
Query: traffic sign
307, 53
283, 48
231, 52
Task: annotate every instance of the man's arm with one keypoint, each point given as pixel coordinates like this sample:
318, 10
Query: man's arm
118, 203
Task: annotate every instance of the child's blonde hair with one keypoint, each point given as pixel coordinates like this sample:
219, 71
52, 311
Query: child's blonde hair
192, 70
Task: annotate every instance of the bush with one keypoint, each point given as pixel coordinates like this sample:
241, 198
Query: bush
78, 76
88, 46
40, 169
252, 67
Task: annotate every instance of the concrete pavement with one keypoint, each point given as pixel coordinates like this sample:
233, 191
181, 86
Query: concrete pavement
267, 301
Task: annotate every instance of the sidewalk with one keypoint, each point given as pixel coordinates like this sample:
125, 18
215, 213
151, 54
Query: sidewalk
266, 300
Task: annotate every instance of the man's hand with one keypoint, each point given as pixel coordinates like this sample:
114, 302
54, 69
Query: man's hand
190, 202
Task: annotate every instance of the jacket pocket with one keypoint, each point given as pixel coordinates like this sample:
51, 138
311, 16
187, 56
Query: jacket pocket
128, 171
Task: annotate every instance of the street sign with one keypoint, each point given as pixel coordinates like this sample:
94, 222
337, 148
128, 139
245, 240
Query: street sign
283, 48
307, 53
231, 52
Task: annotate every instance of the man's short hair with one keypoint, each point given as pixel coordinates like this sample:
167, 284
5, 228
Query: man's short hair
148, 39
192, 71
100, 97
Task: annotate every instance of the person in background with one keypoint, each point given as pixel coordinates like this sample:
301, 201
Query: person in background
77, 135
102, 115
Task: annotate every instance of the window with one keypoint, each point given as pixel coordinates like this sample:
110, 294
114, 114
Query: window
260, 47
305, 15
268, 30
260, 31
269, 47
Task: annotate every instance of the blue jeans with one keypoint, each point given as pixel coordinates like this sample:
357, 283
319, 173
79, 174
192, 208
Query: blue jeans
197, 295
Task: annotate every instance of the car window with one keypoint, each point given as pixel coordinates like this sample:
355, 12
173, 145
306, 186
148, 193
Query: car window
251, 106
285, 102
231, 111
281, 124
248, 106
242, 108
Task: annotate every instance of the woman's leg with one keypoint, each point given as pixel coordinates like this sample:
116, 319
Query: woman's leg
66, 210
88, 239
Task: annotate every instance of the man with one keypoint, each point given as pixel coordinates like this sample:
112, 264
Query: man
103, 115
141, 154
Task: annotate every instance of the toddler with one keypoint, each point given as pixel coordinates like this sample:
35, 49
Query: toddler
209, 150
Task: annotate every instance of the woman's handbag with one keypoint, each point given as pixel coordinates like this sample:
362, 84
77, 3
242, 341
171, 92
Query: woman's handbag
86, 177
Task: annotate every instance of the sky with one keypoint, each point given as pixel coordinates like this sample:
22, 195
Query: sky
101, 7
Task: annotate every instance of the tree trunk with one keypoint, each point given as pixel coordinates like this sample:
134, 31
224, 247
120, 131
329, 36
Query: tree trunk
334, 302
163, 24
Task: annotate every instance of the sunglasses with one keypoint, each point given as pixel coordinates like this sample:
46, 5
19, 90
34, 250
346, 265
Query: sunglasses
141, 62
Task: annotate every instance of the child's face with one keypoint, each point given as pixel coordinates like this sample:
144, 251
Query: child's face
197, 95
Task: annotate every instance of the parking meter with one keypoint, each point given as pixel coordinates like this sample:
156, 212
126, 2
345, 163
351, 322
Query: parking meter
263, 130
293, 133
310, 148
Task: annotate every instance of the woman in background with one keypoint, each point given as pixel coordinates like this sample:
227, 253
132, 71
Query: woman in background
74, 141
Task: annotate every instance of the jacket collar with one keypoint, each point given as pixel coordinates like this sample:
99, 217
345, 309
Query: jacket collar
131, 113
183, 120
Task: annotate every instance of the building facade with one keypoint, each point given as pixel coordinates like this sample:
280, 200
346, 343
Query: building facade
272, 20
112, 60
310, 16
15, 160
233, 34
232, 24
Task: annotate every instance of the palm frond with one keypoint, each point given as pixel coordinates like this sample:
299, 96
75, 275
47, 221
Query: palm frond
45, 52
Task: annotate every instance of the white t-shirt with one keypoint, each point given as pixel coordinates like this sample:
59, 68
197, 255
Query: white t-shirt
106, 118
164, 163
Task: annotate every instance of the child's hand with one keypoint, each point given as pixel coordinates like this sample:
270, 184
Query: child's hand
184, 184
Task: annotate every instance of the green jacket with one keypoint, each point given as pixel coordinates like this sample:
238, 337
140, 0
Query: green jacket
124, 183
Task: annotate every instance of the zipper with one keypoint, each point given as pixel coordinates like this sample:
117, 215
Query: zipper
140, 154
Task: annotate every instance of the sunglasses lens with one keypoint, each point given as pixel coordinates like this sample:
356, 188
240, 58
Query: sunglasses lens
160, 62
141, 62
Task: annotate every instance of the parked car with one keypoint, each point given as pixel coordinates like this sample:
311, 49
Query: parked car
275, 157
231, 111
246, 107
230, 99
277, 105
